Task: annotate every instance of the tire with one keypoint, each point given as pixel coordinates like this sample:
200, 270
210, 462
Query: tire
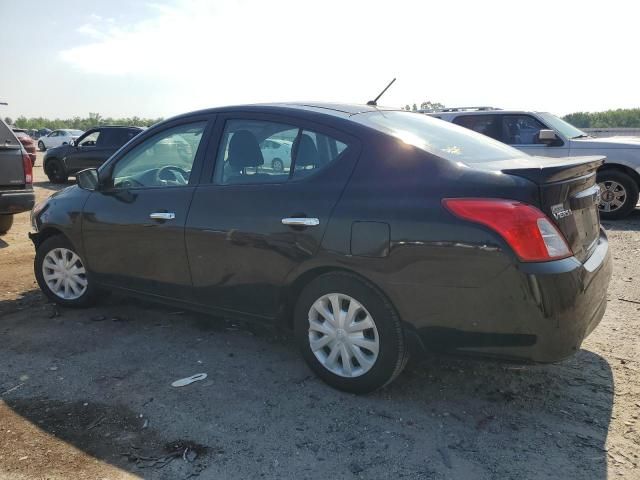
41, 146
55, 171
277, 165
58, 252
371, 307
5, 223
616, 187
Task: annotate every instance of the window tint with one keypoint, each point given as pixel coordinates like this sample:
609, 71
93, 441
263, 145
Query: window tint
520, 129
116, 137
484, 124
254, 151
314, 151
90, 140
164, 160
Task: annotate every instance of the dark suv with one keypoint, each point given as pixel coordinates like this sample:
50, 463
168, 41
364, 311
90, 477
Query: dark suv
90, 150
16, 177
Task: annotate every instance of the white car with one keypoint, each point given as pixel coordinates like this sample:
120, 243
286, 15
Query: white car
545, 135
57, 138
276, 154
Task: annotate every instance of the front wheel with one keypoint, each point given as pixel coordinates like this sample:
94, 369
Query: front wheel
618, 194
5, 223
62, 275
349, 334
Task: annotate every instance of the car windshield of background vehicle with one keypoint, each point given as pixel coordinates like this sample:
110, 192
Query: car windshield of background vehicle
564, 128
439, 138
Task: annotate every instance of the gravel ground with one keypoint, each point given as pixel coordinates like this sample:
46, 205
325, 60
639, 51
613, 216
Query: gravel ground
86, 394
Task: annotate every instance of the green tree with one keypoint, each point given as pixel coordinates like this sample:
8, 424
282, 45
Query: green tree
414, 108
8, 120
620, 118
431, 106
82, 123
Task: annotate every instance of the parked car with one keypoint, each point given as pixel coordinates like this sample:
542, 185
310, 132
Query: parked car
57, 138
27, 142
89, 150
16, 178
544, 134
391, 232
276, 153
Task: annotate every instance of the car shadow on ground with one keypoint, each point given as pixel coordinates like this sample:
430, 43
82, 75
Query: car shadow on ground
632, 222
100, 380
3, 244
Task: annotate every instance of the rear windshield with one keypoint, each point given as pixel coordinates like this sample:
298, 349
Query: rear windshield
439, 137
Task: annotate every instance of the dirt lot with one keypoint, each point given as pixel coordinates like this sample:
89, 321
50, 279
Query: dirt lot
86, 395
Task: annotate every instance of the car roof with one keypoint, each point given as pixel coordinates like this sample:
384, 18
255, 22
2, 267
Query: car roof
343, 110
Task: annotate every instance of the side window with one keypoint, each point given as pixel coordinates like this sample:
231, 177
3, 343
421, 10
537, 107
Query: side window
164, 160
484, 124
520, 130
314, 151
253, 151
90, 140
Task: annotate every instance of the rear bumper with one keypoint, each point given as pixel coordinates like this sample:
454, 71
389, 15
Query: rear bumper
16, 201
538, 312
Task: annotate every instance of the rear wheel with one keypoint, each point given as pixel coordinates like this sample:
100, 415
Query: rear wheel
5, 223
618, 194
62, 275
349, 334
41, 146
55, 171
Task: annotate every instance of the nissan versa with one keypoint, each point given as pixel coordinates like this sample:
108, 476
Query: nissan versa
384, 232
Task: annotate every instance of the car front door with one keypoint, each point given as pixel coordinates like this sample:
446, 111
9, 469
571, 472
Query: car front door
251, 225
87, 151
521, 131
133, 225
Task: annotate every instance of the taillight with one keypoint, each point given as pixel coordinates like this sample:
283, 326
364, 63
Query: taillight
28, 168
526, 229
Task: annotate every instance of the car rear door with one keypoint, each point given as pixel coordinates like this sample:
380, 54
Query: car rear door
133, 226
251, 225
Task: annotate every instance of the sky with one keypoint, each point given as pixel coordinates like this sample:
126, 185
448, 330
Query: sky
156, 59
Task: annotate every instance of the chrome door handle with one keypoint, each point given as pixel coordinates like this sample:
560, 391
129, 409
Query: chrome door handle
301, 222
162, 215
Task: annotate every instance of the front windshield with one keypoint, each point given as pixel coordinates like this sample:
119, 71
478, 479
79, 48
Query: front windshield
439, 137
563, 128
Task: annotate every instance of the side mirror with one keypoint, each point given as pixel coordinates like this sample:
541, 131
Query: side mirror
88, 179
547, 136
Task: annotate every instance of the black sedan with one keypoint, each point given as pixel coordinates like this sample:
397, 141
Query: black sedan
386, 232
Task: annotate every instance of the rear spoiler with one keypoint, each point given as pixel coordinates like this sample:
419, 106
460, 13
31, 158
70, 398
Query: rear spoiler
556, 170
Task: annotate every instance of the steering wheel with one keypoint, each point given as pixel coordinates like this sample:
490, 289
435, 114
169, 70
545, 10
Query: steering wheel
172, 174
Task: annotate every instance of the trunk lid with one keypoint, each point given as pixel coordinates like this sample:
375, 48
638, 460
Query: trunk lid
11, 163
569, 196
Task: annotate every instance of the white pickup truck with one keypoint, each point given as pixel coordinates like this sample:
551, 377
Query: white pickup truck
545, 135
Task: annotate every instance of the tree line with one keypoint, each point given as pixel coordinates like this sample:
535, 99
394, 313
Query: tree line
620, 118
79, 123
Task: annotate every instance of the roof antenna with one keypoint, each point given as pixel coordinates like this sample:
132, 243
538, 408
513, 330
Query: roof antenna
374, 103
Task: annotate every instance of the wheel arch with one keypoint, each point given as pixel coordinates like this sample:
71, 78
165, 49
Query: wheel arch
45, 234
621, 168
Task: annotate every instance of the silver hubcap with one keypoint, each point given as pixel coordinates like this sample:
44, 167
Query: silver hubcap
612, 196
64, 273
342, 335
